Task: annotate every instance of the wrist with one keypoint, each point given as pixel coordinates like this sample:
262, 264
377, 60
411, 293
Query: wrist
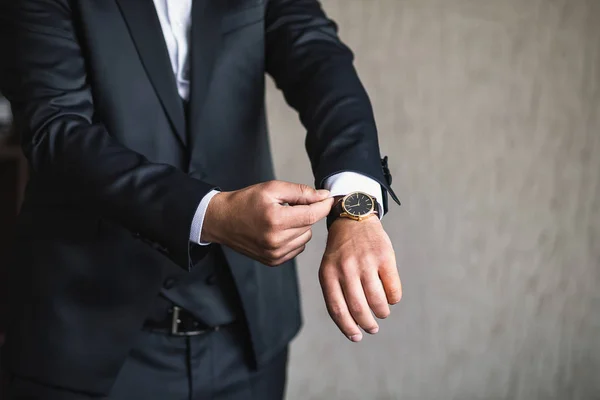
355, 206
215, 218
343, 223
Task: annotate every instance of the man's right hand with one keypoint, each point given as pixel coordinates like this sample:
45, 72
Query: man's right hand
270, 222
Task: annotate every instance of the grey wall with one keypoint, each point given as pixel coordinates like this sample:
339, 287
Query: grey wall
490, 111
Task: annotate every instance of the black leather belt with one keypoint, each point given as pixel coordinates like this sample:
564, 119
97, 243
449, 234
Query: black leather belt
179, 322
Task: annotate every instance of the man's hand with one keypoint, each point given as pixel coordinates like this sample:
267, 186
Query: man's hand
359, 275
269, 222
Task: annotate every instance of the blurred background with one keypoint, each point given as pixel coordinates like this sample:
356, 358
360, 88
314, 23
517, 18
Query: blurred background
490, 113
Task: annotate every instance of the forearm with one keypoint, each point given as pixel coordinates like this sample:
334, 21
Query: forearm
315, 71
44, 77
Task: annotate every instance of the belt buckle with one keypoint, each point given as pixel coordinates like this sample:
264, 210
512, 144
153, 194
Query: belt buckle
176, 321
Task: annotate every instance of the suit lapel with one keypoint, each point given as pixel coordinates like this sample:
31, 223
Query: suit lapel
146, 32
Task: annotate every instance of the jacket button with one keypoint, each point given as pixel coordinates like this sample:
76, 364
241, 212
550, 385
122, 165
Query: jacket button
211, 279
169, 283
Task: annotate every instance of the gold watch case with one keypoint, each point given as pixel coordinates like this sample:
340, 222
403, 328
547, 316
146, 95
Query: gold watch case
357, 217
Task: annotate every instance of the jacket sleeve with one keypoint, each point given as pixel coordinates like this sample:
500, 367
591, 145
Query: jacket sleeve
43, 74
315, 71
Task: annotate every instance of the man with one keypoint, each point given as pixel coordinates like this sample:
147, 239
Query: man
155, 249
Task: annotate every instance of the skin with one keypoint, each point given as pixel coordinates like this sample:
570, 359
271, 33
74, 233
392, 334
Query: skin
358, 276
358, 273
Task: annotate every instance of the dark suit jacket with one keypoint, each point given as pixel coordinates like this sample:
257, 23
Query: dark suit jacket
117, 176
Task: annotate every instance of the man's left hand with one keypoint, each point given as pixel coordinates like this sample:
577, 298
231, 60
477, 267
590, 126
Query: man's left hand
358, 275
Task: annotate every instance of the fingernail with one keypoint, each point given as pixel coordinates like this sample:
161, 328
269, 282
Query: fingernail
356, 338
373, 331
323, 192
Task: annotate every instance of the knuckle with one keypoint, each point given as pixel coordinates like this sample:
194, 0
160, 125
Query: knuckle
329, 267
323, 275
271, 221
311, 218
373, 288
274, 259
277, 241
356, 308
379, 304
280, 255
380, 307
305, 240
260, 197
348, 267
270, 242
270, 186
336, 311
381, 258
309, 235
303, 189
368, 261
272, 255
388, 259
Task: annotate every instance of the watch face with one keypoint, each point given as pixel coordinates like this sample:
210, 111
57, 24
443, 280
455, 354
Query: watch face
358, 204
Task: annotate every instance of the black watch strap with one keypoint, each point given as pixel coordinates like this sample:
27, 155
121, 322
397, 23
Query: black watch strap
336, 210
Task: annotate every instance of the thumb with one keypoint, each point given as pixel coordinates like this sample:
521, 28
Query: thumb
307, 215
299, 194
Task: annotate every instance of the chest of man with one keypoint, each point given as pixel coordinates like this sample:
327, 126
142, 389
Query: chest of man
144, 57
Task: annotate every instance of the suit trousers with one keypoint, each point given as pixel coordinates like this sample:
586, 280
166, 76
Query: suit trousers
214, 366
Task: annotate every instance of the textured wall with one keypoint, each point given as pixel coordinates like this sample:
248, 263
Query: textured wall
490, 111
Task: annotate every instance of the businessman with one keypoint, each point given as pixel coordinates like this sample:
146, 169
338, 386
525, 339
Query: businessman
155, 249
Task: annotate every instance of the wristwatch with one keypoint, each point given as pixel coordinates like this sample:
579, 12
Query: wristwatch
357, 206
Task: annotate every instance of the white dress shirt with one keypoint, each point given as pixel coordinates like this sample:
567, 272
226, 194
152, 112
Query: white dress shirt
175, 20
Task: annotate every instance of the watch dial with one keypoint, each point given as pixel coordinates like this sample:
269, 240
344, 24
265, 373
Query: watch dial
358, 204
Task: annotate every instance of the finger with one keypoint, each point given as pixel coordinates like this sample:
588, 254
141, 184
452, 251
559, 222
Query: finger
290, 256
297, 193
390, 278
289, 235
338, 309
275, 256
376, 296
306, 215
277, 240
358, 305
298, 242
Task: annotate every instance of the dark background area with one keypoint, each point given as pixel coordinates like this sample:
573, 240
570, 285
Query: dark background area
12, 182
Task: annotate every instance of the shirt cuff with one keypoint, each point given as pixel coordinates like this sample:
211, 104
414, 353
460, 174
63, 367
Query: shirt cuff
343, 183
198, 221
